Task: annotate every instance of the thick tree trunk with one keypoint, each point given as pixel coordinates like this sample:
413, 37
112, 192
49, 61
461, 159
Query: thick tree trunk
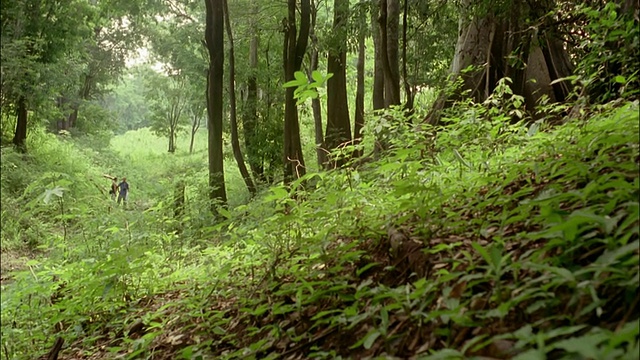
20, 136
293, 54
485, 42
215, 45
235, 141
321, 153
338, 123
389, 23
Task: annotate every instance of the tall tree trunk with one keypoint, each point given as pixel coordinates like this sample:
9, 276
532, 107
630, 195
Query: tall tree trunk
215, 45
338, 124
408, 93
378, 95
250, 118
293, 54
63, 121
389, 23
235, 141
359, 112
20, 136
378, 67
315, 102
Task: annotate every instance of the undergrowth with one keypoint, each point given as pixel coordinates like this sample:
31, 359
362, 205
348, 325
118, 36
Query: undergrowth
487, 237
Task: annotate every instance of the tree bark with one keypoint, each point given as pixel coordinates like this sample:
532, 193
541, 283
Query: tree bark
389, 23
293, 54
359, 111
235, 141
250, 118
486, 41
338, 131
378, 72
321, 153
215, 45
408, 93
20, 136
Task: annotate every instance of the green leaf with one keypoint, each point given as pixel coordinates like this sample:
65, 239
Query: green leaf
224, 212
483, 252
317, 76
300, 76
187, 353
365, 268
620, 79
278, 193
610, 256
462, 160
532, 354
584, 345
295, 83
368, 340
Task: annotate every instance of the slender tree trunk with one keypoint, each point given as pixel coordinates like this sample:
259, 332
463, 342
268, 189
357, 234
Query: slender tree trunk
235, 141
250, 118
293, 54
215, 45
20, 136
172, 141
338, 124
408, 104
195, 125
315, 102
378, 72
359, 112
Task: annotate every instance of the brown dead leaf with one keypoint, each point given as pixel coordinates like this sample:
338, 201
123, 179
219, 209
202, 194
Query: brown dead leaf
458, 290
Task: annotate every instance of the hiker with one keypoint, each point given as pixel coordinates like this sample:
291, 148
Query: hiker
114, 188
123, 193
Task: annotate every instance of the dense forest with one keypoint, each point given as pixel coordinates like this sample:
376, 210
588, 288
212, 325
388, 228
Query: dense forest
316, 179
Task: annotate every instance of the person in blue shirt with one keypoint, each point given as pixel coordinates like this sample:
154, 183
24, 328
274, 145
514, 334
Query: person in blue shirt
123, 191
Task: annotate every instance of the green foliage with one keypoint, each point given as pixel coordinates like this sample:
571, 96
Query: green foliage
512, 223
305, 89
609, 67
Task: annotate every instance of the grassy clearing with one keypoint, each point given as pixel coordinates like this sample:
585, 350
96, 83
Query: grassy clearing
495, 240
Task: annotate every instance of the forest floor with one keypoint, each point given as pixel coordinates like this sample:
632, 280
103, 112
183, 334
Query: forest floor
523, 248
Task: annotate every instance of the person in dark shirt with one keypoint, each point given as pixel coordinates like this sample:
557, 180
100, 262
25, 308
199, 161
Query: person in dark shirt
123, 191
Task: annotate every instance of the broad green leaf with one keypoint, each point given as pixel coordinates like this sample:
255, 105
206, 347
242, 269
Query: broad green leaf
368, 340
300, 76
584, 345
532, 354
